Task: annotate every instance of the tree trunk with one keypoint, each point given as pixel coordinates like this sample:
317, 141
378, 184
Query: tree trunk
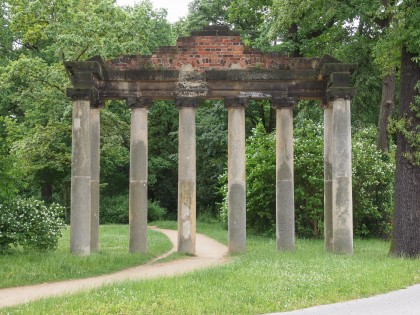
406, 229
387, 107
46, 192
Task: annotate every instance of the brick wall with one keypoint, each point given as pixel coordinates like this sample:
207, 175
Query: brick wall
216, 47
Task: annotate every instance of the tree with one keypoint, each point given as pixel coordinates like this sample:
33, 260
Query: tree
36, 36
406, 233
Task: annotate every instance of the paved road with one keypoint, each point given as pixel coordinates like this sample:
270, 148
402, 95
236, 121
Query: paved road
401, 302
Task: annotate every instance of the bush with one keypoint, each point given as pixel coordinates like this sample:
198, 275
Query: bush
155, 211
115, 209
372, 183
29, 223
373, 186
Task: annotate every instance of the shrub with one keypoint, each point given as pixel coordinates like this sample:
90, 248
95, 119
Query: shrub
373, 186
29, 223
115, 209
155, 211
372, 183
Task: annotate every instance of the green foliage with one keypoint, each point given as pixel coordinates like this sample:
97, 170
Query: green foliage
115, 209
373, 186
163, 155
29, 223
34, 38
211, 130
309, 178
155, 211
261, 177
372, 182
407, 126
11, 171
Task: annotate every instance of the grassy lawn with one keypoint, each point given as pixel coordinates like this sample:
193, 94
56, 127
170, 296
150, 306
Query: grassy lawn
30, 268
261, 281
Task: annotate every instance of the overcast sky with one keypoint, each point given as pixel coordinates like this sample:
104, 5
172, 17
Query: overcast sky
176, 8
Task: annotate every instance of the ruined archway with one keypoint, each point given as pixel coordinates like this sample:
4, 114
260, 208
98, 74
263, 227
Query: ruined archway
210, 64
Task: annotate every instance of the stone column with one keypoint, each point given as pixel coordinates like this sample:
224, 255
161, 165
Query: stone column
187, 175
342, 202
236, 175
285, 204
94, 182
138, 175
328, 216
80, 178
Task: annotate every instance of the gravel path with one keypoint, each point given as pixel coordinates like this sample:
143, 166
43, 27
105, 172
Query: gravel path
208, 253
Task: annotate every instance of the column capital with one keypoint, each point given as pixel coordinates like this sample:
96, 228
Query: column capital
181, 102
139, 102
97, 102
283, 102
79, 94
337, 93
238, 102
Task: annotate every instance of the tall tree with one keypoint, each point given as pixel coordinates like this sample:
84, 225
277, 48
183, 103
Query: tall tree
36, 35
406, 232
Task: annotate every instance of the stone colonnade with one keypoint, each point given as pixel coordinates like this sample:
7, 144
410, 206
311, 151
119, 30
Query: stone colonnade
337, 175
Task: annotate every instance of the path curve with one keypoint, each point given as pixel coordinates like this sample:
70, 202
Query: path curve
208, 253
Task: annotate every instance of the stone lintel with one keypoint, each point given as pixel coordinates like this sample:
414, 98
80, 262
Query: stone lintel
240, 102
339, 79
146, 75
188, 102
261, 75
327, 69
283, 102
139, 102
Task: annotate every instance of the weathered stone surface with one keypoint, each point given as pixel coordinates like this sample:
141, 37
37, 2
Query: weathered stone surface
95, 170
285, 205
236, 178
80, 215
328, 208
342, 203
186, 178
138, 179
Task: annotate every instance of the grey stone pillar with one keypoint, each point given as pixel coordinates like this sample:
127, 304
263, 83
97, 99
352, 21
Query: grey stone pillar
342, 201
80, 179
94, 182
328, 216
187, 175
138, 174
236, 175
285, 204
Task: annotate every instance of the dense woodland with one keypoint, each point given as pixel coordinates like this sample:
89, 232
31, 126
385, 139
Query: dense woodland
381, 36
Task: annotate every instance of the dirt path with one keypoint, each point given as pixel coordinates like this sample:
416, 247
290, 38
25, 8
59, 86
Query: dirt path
208, 253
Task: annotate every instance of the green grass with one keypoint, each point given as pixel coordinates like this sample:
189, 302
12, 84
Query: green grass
19, 268
261, 281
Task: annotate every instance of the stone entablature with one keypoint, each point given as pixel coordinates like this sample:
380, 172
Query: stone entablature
211, 64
